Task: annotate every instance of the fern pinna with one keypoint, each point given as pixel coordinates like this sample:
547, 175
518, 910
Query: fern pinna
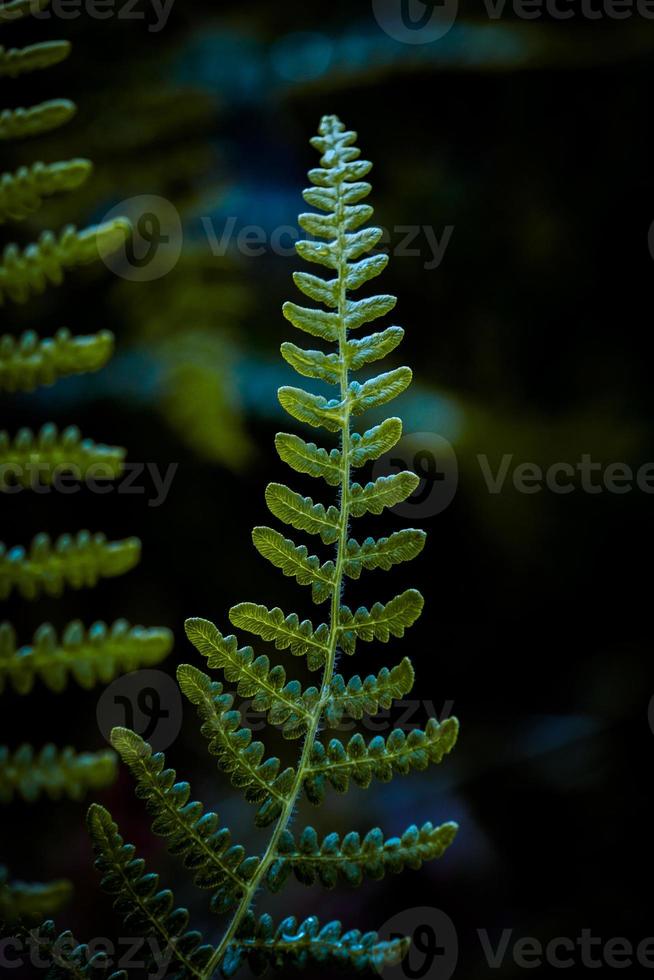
87, 655
207, 849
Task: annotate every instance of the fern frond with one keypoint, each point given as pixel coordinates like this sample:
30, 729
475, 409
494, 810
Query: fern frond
15, 9
352, 859
301, 512
31, 901
53, 772
75, 561
20, 123
306, 457
286, 704
30, 458
385, 491
374, 442
295, 561
18, 61
381, 758
137, 898
206, 848
286, 632
259, 944
381, 622
27, 362
91, 656
383, 552
357, 698
69, 959
22, 192
237, 754
30, 270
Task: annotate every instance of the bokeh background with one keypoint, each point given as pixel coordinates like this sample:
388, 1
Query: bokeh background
530, 141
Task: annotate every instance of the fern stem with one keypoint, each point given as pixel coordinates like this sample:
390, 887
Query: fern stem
330, 661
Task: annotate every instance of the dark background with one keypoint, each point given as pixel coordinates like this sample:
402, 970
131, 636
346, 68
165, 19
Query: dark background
530, 138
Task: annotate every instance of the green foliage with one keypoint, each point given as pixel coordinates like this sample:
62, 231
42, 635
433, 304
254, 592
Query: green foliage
22, 192
205, 847
98, 654
20, 900
69, 959
146, 908
259, 944
53, 772
30, 458
77, 561
29, 270
27, 362
90, 656
352, 859
17, 61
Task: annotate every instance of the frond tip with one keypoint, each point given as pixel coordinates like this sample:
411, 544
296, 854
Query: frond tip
206, 848
53, 772
259, 944
27, 362
91, 656
78, 561
138, 899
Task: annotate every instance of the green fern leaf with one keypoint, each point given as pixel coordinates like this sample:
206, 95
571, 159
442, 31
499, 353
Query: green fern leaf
386, 491
27, 362
301, 512
42, 457
381, 622
317, 323
286, 704
144, 908
33, 901
297, 945
383, 552
306, 457
53, 772
69, 959
78, 562
294, 560
20, 123
400, 753
216, 863
22, 192
91, 657
358, 698
286, 632
372, 348
353, 859
18, 61
375, 442
379, 390
28, 271
312, 363
237, 754
315, 410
